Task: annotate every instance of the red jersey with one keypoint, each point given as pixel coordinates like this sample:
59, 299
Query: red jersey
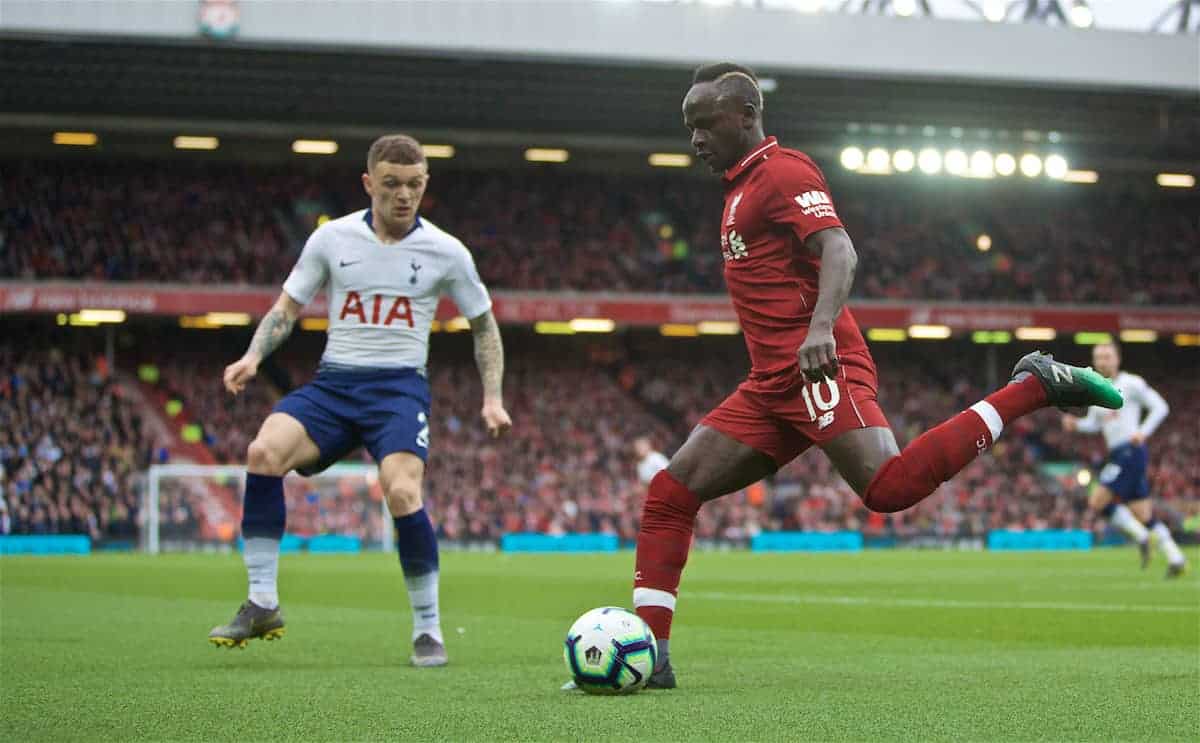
774, 199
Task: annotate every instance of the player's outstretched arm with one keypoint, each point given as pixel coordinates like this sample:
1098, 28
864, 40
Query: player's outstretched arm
272, 331
489, 357
818, 353
1089, 423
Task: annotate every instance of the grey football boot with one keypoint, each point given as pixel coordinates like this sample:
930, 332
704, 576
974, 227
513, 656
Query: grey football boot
428, 652
251, 622
662, 678
1070, 386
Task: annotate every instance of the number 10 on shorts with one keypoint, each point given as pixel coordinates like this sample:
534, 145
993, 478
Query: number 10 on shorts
822, 403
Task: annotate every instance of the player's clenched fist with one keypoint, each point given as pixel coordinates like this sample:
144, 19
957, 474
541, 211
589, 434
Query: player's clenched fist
495, 417
239, 373
818, 355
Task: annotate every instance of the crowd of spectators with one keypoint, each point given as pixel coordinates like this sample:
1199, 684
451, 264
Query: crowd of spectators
154, 223
73, 445
538, 229
567, 466
73, 440
919, 388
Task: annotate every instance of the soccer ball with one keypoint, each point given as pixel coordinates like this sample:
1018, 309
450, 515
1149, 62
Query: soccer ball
610, 651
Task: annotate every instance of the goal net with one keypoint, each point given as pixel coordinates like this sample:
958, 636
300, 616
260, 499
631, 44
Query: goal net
192, 507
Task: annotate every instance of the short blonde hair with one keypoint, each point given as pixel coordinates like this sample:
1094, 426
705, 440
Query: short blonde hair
395, 148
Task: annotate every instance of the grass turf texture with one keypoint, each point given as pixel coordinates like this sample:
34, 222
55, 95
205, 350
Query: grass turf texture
873, 646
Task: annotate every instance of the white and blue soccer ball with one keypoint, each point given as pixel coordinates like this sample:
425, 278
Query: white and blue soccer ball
610, 651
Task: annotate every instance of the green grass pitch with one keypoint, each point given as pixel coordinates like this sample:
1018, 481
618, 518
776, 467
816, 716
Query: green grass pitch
918, 646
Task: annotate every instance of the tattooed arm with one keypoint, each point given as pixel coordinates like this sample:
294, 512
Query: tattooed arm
489, 357
274, 329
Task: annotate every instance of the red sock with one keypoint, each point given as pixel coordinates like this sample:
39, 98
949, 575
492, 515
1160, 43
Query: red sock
662, 550
940, 453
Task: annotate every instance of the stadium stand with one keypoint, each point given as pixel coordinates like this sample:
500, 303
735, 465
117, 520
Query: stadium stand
74, 439
72, 445
244, 224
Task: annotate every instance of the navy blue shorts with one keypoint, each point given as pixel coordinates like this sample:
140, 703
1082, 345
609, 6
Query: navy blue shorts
1125, 473
385, 410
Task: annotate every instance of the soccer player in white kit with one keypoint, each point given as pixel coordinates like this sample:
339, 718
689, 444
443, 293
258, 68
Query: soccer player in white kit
385, 269
1123, 493
650, 461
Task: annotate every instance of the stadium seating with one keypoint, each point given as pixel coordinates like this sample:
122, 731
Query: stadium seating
73, 445
72, 440
535, 230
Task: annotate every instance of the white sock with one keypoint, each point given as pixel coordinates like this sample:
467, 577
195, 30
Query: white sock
423, 597
1167, 544
261, 555
1123, 519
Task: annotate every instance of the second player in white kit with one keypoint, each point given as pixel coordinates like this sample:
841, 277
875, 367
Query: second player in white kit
1123, 492
385, 270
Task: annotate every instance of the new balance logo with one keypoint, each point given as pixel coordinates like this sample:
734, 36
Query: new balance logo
1061, 372
825, 421
981, 443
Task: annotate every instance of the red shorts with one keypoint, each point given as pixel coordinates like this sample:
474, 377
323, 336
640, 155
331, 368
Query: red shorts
784, 414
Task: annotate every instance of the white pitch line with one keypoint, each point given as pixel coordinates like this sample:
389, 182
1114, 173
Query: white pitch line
934, 603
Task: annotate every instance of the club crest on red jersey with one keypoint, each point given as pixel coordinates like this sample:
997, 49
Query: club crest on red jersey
733, 205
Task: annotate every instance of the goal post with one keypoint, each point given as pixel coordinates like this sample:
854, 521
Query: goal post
197, 507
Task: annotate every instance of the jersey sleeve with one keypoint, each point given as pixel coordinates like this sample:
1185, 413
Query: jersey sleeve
801, 199
310, 272
465, 287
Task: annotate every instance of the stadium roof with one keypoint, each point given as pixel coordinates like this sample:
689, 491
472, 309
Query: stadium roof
66, 79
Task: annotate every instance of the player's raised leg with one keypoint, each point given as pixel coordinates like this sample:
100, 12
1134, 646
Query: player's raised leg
401, 475
708, 465
282, 444
1143, 510
889, 481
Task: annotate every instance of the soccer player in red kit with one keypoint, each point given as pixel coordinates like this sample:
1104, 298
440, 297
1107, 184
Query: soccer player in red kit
789, 266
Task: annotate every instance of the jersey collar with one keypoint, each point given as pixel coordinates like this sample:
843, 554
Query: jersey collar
370, 220
757, 155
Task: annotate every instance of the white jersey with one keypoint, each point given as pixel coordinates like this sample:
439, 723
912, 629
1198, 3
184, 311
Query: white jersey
1118, 426
651, 465
383, 296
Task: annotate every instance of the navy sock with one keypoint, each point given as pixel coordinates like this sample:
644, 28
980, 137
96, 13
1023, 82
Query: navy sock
263, 510
417, 544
